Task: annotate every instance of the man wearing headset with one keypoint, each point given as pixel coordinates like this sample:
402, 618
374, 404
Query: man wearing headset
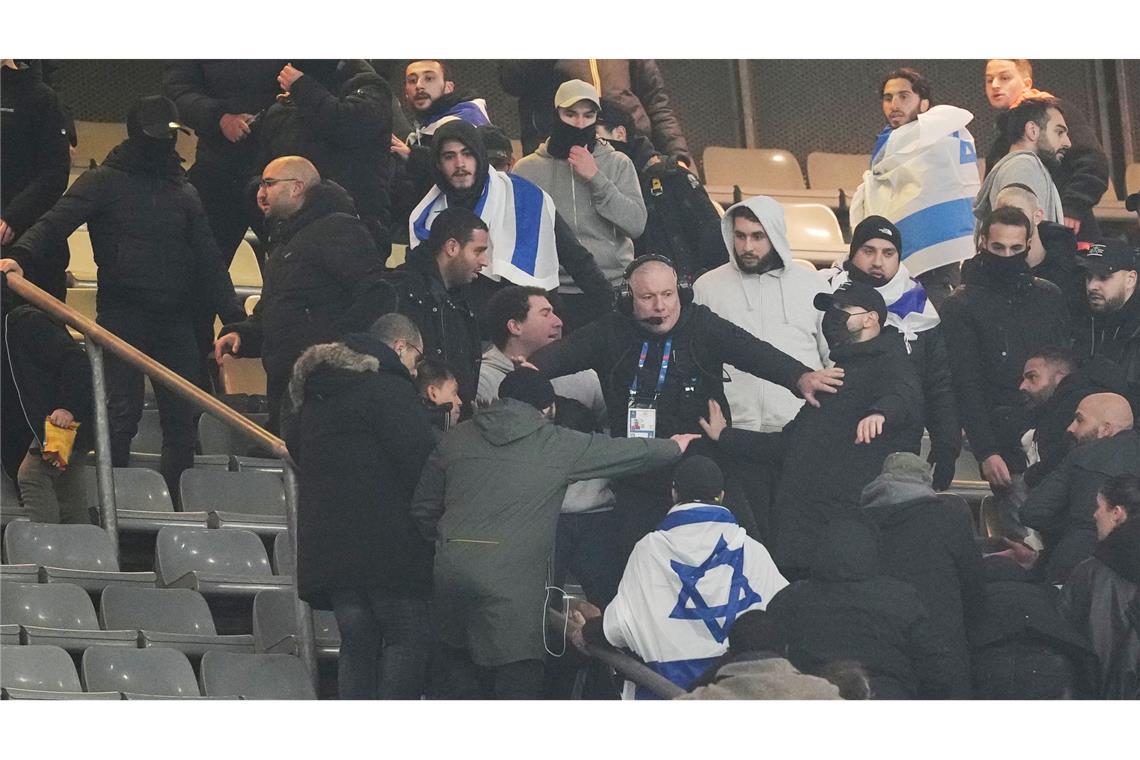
660, 358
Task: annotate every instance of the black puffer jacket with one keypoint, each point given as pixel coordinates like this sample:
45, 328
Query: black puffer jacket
1062, 506
1116, 337
1060, 267
339, 116
1102, 599
321, 282
931, 361
34, 162
992, 327
850, 610
152, 242
360, 438
446, 321
205, 90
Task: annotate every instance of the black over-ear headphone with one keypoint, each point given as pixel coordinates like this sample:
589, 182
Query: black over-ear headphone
625, 295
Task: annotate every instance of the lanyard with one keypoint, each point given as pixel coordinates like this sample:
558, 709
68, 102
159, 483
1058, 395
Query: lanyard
666, 355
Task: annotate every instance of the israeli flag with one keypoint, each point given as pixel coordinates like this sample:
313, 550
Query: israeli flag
520, 217
684, 586
471, 111
924, 178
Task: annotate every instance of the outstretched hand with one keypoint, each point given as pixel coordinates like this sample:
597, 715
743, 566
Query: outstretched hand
827, 380
716, 422
684, 439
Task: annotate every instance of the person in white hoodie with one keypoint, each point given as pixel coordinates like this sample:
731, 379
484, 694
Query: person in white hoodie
762, 291
595, 188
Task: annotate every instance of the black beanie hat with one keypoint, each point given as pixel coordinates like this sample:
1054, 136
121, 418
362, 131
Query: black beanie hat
874, 227
527, 385
697, 478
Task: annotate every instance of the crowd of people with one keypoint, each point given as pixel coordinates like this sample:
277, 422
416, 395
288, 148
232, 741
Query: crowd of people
632, 390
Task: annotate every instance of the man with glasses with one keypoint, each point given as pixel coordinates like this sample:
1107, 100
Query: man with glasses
321, 279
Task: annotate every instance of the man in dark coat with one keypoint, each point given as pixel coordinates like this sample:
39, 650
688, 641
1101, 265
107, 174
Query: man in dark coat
1112, 328
932, 547
831, 452
432, 286
338, 114
322, 275
34, 162
360, 438
850, 610
662, 353
159, 272
489, 499
222, 100
994, 322
1102, 596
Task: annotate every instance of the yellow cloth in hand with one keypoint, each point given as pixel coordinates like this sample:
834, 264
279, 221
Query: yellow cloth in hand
58, 443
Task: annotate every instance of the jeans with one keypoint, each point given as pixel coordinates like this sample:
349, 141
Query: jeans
383, 644
456, 676
51, 495
169, 340
587, 546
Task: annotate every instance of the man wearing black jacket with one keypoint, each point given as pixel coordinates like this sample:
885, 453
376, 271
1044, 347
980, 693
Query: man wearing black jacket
34, 162
360, 437
322, 275
222, 100
1112, 328
159, 270
994, 322
337, 114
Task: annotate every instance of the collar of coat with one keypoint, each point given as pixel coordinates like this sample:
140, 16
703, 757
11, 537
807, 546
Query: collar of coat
366, 354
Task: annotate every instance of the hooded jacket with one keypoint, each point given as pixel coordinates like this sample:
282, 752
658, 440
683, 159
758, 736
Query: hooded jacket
850, 610
1020, 167
776, 307
931, 547
1102, 599
489, 498
360, 439
605, 213
992, 327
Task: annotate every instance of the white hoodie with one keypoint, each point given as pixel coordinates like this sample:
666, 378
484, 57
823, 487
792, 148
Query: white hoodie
775, 307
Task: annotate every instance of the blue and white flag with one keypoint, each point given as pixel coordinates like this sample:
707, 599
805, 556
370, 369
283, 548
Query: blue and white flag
684, 586
924, 178
520, 217
908, 308
473, 112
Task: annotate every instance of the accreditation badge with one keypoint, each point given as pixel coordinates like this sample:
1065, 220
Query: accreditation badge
641, 422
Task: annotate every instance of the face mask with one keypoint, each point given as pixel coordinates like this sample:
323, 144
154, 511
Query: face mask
858, 275
1005, 267
835, 328
563, 137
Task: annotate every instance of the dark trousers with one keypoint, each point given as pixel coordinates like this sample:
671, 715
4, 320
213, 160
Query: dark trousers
455, 676
170, 341
587, 547
222, 188
383, 644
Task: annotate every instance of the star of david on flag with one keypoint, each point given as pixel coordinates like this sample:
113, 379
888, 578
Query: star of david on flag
740, 593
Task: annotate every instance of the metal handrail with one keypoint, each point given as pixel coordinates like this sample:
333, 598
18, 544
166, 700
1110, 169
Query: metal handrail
97, 339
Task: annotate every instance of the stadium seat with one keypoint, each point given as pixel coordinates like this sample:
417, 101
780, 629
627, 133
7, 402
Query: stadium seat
142, 501
760, 171
275, 626
178, 618
82, 261
13, 571
957, 502
41, 672
59, 614
158, 672
187, 147
398, 256
989, 519
244, 271
251, 303
814, 234
284, 561
79, 554
95, 140
240, 375
222, 563
253, 500
805, 264
245, 464
844, 171
255, 676
1132, 178
82, 300
1110, 208
216, 437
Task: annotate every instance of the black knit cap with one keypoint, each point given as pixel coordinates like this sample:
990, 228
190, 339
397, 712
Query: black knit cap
527, 385
698, 478
875, 227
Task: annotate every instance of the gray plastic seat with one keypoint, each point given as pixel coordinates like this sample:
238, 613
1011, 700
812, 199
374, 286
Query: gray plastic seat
177, 618
245, 464
142, 500
251, 500
275, 626
215, 437
59, 614
41, 672
956, 502
284, 561
159, 672
79, 554
218, 562
18, 572
255, 676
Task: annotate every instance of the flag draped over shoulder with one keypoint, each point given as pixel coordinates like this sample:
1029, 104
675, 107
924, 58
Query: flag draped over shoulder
520, 218
684, 586
924, 178
908, 308
471, 111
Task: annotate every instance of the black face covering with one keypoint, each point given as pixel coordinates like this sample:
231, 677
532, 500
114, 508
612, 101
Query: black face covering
1004, 268
835, 328
564, 136
858, 275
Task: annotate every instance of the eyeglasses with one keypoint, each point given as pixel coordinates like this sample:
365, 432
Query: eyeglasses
271, 182
418, 350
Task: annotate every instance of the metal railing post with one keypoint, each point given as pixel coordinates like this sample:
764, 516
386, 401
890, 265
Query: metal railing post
306, 638
108, 514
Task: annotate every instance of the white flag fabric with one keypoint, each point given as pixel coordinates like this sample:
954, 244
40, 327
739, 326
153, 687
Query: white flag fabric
684, 586
924, 178
520, 217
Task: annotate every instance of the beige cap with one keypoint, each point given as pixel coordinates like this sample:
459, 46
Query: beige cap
574, 90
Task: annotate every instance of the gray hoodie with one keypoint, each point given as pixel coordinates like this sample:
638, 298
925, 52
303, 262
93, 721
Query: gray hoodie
1025, 168
606, 213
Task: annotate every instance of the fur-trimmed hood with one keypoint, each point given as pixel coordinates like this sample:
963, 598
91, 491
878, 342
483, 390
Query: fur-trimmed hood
327, 367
